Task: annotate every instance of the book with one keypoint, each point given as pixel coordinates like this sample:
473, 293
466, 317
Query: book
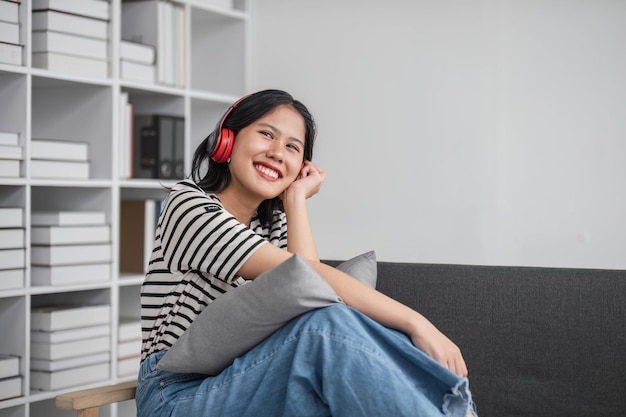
11, 238
9, 32
59, 150
137, 71
59, 62
128, 366
69, 335
179, 148
70, 23
11, 217
70, 254
9, 11
11, 279
11, 54
224, 4
9, 168
10, 152
138, 220
9, 138
166, 135
9, 366
73, 362
144, 147
64, 350
98, 9
12, 258
70, 274
129, 348
128, 328
65, 43
137, 52
40, 168
126, 136
10, 387
47, 381
69, 235
67, 218
53, 318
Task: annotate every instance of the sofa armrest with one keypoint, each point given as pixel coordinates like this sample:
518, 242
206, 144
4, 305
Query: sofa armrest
87, 402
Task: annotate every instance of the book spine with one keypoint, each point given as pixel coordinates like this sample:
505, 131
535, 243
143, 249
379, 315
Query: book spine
11, 238
47, 41
40, 168
10, 54
53, 319
9, 12
98, 9
9, 138
59, 150
48, 381
11, 217
9, 33
11, 278
12, 258
69, 23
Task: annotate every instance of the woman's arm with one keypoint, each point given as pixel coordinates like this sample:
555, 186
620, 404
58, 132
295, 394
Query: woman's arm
372, 303
300, 236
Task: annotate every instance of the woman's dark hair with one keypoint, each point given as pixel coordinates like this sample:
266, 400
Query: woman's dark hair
216, 177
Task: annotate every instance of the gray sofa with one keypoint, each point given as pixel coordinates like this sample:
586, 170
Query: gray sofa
537, 341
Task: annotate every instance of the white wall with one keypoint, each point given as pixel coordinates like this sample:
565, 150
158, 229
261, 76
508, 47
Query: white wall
459, 131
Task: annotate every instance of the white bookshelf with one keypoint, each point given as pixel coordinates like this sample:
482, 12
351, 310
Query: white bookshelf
39, 103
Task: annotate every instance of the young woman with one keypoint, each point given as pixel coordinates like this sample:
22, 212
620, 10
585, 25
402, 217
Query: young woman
371, 357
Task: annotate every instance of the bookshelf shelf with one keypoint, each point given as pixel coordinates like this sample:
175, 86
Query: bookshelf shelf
86, 110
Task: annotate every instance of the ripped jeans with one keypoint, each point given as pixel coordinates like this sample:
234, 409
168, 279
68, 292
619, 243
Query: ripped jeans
333, 361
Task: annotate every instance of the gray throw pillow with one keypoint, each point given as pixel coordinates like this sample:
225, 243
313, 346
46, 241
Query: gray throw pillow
362, 267
237, 321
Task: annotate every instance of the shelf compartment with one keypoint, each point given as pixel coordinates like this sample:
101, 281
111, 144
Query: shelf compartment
217, 53
79, 112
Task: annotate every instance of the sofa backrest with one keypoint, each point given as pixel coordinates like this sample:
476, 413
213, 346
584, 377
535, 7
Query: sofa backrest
537, 341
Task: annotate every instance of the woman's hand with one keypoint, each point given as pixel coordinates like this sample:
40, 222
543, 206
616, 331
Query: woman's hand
434, 343
308, 182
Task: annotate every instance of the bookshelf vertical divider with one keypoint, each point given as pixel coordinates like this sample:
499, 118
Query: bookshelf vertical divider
73, 270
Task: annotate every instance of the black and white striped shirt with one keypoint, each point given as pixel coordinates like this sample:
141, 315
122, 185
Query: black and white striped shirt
198, 249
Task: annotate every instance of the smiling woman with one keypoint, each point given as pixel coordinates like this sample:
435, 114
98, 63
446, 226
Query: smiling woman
364, 355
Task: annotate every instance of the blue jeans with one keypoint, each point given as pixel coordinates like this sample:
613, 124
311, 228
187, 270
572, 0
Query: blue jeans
333, 361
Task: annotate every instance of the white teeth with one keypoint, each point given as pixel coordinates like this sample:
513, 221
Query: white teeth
267, 171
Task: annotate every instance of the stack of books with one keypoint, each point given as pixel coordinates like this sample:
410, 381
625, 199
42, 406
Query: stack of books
12, 248
10, 154
128, 346
70, 346
10, 44
70, 247
71, 36
59, 159
10, 378
137, 62
161, 24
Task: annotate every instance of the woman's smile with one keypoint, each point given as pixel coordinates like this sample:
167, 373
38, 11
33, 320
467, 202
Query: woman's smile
268, 172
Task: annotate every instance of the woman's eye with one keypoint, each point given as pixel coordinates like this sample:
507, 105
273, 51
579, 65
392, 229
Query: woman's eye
294, 147
266, 133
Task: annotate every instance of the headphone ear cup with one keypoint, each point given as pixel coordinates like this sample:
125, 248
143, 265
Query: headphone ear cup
223, 145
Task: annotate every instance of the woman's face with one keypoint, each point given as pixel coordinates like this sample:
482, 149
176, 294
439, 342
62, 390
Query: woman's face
267, 155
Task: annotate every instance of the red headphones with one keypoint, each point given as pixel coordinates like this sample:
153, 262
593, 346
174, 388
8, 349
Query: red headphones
220, 142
